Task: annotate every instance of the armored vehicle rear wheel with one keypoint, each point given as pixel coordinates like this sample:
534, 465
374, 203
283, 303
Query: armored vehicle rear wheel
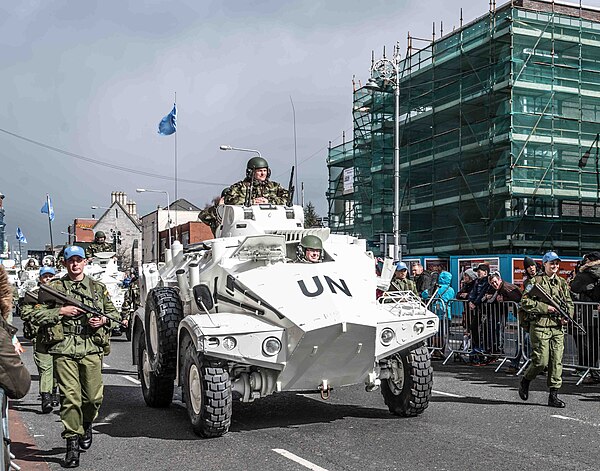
163, 315
157, 391
407, 391
207, 391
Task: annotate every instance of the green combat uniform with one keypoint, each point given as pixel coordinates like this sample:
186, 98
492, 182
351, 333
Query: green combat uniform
274, 192
77, 350
547, 335
42, 359
403, 285
131, 300
96, 247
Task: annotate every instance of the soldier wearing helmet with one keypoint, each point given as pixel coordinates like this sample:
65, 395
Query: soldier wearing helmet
310, 249
263, 190
99, 245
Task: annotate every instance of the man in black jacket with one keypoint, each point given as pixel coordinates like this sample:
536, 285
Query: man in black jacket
586, 284
424, 279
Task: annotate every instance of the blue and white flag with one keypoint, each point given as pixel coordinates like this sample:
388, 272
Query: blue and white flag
48, 209
21, 236
168, 125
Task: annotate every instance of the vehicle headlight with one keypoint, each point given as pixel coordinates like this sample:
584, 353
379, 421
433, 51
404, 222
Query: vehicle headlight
229, 343
418, 327
271, 346
387, 335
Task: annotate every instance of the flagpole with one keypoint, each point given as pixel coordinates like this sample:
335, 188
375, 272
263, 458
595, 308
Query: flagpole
20, 254
176, 238
49, 222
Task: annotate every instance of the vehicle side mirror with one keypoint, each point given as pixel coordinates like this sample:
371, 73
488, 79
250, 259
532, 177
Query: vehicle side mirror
203, 297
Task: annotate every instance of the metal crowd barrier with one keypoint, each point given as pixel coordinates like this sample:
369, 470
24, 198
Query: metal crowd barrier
491, 333
6, 460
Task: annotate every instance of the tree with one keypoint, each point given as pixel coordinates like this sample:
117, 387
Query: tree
311, 218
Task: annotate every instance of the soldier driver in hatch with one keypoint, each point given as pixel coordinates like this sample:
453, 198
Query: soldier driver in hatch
310, 250
263, 190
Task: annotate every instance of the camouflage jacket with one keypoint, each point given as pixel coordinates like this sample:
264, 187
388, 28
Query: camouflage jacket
131, 300
536, 311
94, 248
70, 336
403, 285
274, 192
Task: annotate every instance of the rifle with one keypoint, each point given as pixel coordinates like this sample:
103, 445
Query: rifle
249, 191
535, 290
48, 294
291, 188
30, 298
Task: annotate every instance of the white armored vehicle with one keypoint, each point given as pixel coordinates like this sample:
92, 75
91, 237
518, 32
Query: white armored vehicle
235, 318
103, 267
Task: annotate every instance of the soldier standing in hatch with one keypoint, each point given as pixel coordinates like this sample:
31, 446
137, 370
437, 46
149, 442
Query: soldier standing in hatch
546, 329
77, 344
99, 245
263, 190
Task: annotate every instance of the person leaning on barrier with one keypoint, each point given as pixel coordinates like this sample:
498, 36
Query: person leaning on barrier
14, 377
441, 307
78, 344
310, 250
263, 190
41, 357
546, 329
501, 293
479, 290
400, 281
586, 285
424, 279
466, 284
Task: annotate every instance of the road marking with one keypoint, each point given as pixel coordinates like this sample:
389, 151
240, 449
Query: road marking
133, 380
297, 459
564, 417
441, 393
105, 365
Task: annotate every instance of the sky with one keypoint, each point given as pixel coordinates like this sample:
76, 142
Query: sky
94, 78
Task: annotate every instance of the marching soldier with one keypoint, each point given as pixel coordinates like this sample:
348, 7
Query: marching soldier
77, 344
41, 357
546, 329
99, 245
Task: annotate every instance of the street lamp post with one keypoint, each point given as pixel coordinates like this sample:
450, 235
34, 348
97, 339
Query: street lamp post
146, 190
386, 71
240, 149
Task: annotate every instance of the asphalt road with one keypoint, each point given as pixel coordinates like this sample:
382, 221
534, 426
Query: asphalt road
475, 421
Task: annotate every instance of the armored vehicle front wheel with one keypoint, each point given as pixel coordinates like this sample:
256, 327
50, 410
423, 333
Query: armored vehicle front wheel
157, 391
207, 391
164, 312
406, 392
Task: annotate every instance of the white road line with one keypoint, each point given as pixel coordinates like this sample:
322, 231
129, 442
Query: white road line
441, 393
129, 378
297, 459
564, 417
105, 365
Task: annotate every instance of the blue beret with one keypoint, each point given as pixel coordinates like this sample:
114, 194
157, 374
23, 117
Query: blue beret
46, 270
74, 250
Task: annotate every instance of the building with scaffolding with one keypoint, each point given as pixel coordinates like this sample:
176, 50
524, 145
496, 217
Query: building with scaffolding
498, 132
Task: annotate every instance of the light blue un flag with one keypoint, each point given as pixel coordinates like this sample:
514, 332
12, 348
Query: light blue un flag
21, 236
168, 125
48, 209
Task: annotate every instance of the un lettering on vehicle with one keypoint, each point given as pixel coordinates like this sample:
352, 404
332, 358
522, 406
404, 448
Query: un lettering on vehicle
316, 287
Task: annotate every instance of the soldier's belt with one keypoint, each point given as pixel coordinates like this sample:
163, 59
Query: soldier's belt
74, 329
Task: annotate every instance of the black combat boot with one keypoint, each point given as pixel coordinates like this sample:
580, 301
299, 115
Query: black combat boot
72, 456
554, 401
524, 388
46, 403
55, 397
85, 441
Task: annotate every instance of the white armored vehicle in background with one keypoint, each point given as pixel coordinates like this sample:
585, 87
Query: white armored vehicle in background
235, 318
103, 267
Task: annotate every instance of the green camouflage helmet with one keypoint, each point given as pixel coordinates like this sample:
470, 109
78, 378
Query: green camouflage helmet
310, 242
99, 234
257, 162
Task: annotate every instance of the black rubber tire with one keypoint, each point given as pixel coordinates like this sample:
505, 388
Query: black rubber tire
157, 391
207, 392
164, 309
128, 332
413, 397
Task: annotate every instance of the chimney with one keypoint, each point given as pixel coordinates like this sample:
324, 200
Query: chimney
124, 197
113, 197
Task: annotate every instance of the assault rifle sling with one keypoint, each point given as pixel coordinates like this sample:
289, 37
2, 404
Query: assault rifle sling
48, 294
536, 290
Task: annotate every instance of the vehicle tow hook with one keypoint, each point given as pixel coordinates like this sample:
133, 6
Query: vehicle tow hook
325, 390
